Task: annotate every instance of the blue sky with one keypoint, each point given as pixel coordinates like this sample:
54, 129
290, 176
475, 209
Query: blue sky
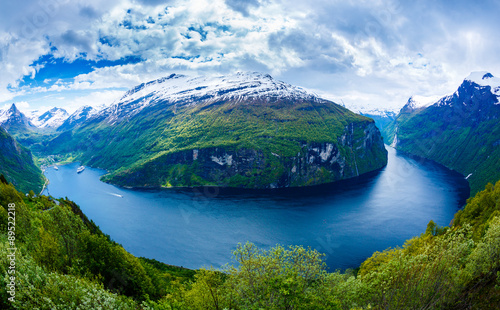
69, 53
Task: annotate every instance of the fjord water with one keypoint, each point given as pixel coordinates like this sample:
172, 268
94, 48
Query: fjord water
347, 221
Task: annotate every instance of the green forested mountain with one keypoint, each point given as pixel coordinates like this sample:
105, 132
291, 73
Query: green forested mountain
30, 131
246, 130
16, 163
63, 261
460, 131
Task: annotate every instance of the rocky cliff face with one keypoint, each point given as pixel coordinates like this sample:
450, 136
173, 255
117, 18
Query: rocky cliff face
353, 154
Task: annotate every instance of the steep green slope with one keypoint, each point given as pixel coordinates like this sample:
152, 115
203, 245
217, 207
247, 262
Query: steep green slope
16, 163
253, 142
63, 260
461, 131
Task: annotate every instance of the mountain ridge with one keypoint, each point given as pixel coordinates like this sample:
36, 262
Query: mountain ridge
52, 118
181, 90
156, 129
78, 117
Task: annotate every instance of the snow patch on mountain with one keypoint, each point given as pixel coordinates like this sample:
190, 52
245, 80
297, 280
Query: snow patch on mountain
53, 118
418, 102
79, 116
14, 116
389, 111
483, 78
183, 90
84, 112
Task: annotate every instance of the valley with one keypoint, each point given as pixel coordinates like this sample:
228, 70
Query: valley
346, 220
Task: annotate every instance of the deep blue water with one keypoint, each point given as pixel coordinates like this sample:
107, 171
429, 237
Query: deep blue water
347, 221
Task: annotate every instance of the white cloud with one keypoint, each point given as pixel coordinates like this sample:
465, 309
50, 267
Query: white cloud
21, 105
16, 56
366, 51
94, 99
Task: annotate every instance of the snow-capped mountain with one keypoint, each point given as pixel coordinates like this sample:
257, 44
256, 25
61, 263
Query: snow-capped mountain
182, 131
370, 110
181, 90
477, 82
78, 117
381, 116
419, 102
460, 131
14, 119
53, 118
485, 79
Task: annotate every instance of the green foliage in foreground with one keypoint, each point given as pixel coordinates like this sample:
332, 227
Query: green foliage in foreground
65, 262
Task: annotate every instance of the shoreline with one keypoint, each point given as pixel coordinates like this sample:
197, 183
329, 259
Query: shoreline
47, 182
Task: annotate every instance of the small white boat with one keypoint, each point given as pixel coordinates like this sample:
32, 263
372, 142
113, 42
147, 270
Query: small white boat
80, 169
56, 168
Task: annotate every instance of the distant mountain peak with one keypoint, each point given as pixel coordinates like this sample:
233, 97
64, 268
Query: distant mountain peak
484, 79
13, 117
418, 102
13, 108
55, 109
53, 118
79, 117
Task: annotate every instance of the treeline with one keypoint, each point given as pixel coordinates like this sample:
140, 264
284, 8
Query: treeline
65, 262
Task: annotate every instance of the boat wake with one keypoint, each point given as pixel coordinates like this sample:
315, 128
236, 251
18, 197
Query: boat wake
117, 195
